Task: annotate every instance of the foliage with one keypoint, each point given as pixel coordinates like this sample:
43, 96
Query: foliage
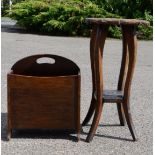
126, 8
139, 9
5, 5
115, 32
67, 17
146, 32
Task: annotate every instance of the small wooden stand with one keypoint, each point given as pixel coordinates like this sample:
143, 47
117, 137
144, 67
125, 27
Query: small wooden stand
122, 94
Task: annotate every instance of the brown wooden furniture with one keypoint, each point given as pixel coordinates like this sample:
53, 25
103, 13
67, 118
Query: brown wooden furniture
44, 95
122, 94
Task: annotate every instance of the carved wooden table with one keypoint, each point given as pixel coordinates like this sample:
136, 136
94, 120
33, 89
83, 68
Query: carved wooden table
122, 94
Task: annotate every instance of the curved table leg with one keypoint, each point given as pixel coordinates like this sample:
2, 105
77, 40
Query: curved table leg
122, 76
132, 46
121, 114
129, 120
98, 53
92, 48
90, 111
96, 119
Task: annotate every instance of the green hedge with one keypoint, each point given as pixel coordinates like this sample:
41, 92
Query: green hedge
5, 5
63, 17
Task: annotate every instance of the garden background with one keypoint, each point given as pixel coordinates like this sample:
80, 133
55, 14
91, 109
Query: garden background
67, 17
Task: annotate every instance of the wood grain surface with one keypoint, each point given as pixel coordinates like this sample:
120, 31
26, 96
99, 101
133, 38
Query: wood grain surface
44, 100
117, 21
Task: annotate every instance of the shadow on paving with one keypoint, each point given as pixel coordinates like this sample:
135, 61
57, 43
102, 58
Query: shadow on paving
36, 133
108, 136
19, 30
12, 29
50, 134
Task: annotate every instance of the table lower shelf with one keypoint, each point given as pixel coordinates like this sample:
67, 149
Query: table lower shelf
112, 96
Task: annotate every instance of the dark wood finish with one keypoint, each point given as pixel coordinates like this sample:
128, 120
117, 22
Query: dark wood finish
92, 48
77, 106
120, 96
116, 21
131, 38
112, 96
9, 130
30, 67
122, 76
100, 36
44, 100
120, 113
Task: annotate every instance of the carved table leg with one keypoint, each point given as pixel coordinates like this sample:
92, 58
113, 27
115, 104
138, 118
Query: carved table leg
98, 53
130, 36
122, 77
121, 114
92, 46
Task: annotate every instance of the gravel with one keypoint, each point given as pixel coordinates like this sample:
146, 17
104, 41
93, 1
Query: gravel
110, 138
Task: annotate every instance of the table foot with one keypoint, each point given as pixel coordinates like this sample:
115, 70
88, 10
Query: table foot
89, 138
95, 122
129, 120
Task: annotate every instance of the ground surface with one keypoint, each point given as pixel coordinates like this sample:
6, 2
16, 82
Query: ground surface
110, 138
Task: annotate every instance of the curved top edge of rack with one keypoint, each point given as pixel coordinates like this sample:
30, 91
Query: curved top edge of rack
117, 21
